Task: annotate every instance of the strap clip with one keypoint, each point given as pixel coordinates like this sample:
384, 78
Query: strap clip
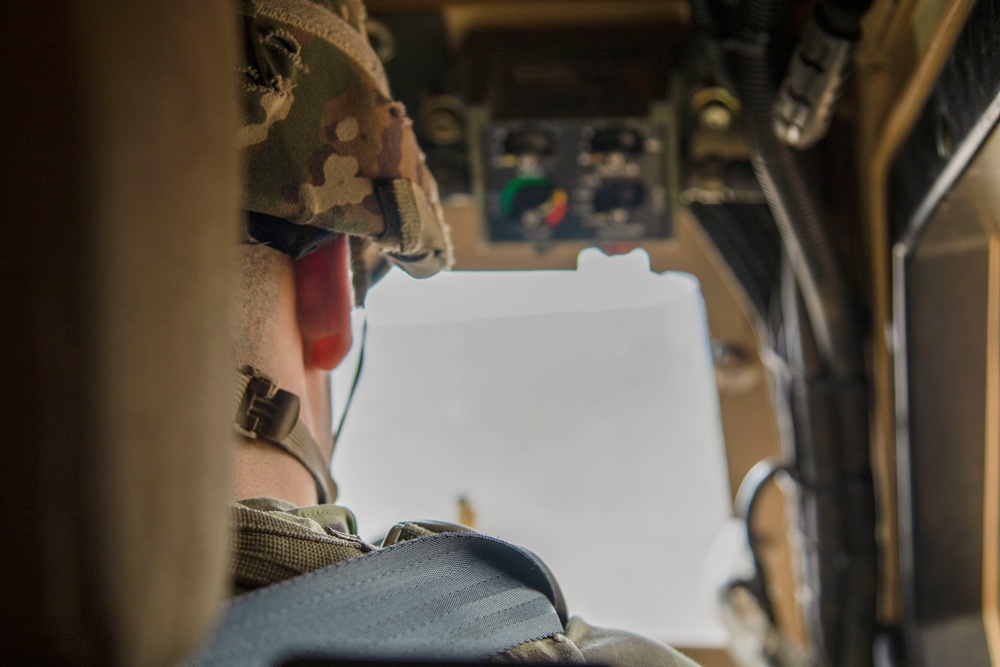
266, 411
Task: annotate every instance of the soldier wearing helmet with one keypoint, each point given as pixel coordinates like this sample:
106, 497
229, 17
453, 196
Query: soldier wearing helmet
335, 186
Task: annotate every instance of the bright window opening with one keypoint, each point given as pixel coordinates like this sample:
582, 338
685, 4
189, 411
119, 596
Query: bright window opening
572, 412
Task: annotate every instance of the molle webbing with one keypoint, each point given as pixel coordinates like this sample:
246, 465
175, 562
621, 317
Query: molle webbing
264, 412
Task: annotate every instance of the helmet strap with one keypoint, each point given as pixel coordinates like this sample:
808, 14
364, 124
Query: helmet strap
270, 414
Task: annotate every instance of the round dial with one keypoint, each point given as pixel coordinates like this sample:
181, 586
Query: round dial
534, 199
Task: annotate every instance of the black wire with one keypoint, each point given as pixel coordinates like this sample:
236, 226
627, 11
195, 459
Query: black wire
746, 502
357, 378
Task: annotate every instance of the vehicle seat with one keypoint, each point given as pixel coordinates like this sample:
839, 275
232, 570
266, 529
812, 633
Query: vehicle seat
120, 191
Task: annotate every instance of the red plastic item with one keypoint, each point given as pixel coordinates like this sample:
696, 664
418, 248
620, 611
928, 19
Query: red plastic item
323, 303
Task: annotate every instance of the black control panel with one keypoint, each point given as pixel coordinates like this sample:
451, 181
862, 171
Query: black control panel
562, 133
602, 180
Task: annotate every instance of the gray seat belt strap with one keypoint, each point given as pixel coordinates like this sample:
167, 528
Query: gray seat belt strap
265, 412
452, 596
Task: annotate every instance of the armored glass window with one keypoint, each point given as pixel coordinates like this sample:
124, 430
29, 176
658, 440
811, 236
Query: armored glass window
572, 412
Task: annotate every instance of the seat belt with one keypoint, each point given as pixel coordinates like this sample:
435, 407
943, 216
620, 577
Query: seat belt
451, 596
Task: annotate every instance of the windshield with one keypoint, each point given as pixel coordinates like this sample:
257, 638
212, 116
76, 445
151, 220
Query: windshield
572, 412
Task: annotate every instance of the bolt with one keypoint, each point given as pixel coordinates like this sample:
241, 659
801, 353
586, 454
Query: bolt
716, 116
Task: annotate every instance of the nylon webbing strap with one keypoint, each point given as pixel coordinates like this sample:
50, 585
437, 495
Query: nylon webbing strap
453, 596
265, 412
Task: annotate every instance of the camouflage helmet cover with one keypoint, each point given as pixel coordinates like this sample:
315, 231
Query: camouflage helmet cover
323, 142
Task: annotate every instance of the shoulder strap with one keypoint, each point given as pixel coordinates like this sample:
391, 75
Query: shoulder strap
453, 596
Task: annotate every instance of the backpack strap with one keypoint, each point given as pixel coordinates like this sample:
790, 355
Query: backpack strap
453, 596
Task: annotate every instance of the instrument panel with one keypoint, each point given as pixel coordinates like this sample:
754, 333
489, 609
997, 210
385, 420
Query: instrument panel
602, 180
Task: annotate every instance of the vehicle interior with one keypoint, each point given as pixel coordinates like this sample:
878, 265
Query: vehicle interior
803, 194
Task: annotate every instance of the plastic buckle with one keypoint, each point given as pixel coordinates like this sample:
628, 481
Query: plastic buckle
266, 411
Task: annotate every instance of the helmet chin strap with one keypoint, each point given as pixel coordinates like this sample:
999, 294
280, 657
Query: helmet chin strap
265, 412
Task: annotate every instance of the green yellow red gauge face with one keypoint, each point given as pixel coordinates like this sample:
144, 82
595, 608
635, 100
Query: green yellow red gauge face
534, 197
557, 207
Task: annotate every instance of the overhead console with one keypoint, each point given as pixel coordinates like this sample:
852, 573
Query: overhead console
572, 134
550, 127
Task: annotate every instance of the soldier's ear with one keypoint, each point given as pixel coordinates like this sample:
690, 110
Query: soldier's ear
323, 300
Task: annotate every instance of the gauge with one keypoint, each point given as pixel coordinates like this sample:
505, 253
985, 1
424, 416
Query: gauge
534, 199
